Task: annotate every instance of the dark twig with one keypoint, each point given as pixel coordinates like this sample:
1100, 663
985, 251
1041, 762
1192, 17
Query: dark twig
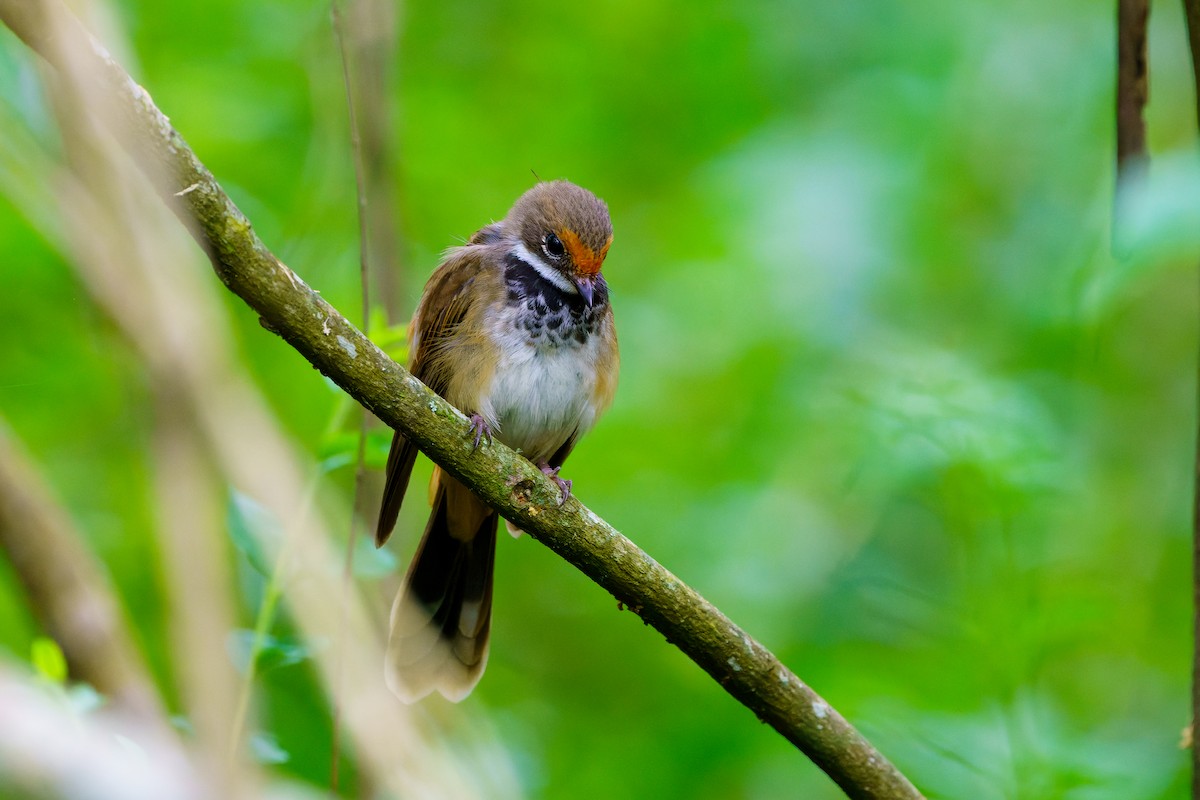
502, 478
1191, 9
1132, 17
1132, 92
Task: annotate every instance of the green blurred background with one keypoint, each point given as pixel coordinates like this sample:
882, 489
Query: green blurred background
887, 398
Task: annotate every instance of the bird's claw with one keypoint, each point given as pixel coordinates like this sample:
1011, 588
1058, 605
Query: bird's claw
481, 430
564, 485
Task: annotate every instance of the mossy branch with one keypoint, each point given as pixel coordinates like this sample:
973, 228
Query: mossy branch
501, 477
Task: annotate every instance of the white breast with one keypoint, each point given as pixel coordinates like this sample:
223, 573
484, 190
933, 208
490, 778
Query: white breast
541, 395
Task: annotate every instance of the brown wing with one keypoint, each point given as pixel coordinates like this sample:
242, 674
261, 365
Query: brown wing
447, 299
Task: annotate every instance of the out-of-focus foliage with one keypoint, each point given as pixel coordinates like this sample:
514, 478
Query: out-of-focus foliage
887, 398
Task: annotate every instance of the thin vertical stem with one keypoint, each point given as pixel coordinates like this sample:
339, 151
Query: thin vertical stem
364, 279
1192, 12
1132, 83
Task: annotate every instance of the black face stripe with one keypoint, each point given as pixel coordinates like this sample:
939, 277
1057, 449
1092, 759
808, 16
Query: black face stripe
548, 315
525, 282
521, 278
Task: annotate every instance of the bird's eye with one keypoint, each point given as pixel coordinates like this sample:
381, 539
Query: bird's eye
553, 246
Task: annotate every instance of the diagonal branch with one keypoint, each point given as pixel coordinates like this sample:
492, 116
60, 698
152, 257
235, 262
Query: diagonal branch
502, 478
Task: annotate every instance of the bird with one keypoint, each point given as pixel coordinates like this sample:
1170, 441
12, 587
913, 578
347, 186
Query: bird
516, 330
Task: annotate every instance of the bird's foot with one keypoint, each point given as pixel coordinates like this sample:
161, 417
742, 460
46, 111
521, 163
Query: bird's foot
564, 485
481, 430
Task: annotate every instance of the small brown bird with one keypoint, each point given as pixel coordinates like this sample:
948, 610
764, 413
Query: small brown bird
515, 329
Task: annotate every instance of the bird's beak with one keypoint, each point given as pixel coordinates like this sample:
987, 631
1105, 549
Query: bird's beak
587, 263
587, 288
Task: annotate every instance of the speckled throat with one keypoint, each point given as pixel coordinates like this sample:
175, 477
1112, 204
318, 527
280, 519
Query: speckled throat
551, 317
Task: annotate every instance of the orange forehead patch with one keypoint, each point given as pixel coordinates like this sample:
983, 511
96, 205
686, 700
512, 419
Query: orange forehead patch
587, 261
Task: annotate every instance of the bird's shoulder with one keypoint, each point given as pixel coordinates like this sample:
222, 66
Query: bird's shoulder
468, 279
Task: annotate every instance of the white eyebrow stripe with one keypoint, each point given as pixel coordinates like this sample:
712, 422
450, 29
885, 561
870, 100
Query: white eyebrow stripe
544, 269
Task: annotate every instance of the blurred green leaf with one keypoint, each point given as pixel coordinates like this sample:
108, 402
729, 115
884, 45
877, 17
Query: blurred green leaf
273, 653
48, 660
341, 449
182, 724
371, 562
249, 524
391, 339
265, 748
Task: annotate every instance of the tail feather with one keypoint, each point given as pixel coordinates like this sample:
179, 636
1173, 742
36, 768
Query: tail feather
401, 458
443, 612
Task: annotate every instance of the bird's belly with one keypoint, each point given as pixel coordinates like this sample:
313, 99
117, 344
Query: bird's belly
541, 396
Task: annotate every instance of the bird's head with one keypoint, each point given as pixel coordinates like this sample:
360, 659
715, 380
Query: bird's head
567, 229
